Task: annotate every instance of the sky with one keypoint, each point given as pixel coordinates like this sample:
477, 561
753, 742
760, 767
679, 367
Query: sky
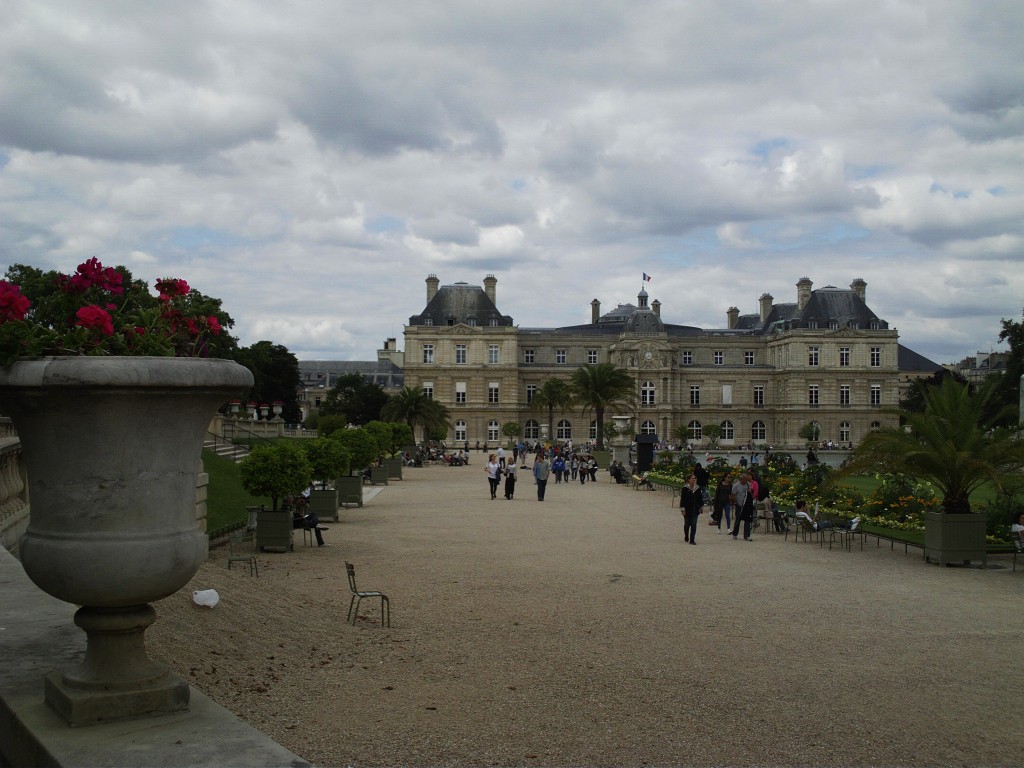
311, 163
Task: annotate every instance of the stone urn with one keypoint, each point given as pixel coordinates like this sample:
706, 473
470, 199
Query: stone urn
113, 446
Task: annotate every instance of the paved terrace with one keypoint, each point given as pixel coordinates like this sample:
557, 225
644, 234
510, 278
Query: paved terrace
583, 631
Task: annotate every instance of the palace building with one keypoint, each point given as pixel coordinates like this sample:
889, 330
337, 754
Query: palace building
825, 358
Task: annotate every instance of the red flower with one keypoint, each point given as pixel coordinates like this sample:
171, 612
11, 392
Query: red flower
214, 324
90, 273
94, 317
13, 305
169, 287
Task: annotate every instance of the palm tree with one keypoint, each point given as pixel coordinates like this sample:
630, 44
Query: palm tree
412, 406
599, 387
553, 393
948, 444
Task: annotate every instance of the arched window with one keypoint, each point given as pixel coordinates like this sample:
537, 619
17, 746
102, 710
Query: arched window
564, 430
492, 430
757, 431
844, 431
728, 432
460, 430
876, 425
648, 428
647, 393
696, 430
531, 430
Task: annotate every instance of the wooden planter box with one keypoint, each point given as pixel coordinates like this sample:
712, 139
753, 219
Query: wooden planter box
350, 490
324, 504
954, 538
274, 531
378, 475
394, 468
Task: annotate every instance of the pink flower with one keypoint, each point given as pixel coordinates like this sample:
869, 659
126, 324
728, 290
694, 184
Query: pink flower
13, 305
169, 287
214, 324
96, 318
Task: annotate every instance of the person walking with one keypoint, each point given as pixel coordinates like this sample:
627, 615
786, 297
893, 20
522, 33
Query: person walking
723, 503
493, 473
501, 457
541, 470
691, 499
510, 480
743, 506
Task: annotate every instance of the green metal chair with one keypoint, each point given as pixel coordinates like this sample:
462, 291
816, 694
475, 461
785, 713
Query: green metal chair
241, 546
357, 598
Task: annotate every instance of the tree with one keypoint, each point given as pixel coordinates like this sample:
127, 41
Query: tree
401, 435
275, 373
599, 387
511, 430
553, 393
950, 444
276, 470
1008, 392
359, 400
412, 406
712, 432
327, 459
381, 431
914, 400
362, 446
810, 432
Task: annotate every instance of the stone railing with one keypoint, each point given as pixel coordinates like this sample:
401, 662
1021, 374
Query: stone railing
14, 505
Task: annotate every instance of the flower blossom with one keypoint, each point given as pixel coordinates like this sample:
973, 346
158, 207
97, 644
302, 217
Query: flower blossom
13, 305
169, 287
97, 318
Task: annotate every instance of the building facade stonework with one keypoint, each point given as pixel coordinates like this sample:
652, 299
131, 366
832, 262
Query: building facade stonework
825, 358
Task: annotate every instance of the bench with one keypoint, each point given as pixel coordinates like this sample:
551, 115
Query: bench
639, 482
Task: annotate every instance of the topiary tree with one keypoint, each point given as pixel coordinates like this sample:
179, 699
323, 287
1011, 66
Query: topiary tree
381, 431
327, 459
511, 430
401, 435
361, 445
328, 425
276, 470
713, 432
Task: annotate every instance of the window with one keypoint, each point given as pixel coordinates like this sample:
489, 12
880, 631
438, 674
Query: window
873, 325
460, 354
748, 358
757, 431
812, 395
727, 394
564, 431
876, 357
494, 322
492, 392
719, 357
531, 392
471, 320
728, 431
844, 431
844, 394
647, 393
812, 356
428, 389
531, 430
460, 393
428, 353
428, 321
648, 428
876, 394
833, 325
687, 357
812, 324
560, 356
527, 355
759, 394
876, 425
844, 357
592, 356
492, 354
460, 430
696, 430
695, 394
492, 430
593, 430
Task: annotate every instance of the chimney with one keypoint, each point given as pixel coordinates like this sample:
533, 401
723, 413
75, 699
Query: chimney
803, 292
766, 306
489, 285
859, 287
733, 315
595, 311
432, 283
656, 306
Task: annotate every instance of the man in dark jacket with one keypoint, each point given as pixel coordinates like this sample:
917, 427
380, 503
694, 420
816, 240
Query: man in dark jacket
691, 499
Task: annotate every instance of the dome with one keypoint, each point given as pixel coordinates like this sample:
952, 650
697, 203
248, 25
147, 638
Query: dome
644, 321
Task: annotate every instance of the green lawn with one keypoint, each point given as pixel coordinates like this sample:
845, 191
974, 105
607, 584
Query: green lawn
226, 498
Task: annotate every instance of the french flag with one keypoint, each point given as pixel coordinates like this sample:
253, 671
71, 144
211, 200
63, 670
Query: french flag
647, 278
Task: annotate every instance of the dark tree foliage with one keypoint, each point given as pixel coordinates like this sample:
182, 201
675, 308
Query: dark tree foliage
359, 400
915, 397
275, 372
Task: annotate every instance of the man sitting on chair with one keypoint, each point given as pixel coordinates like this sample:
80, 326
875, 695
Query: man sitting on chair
310, 521
821, 525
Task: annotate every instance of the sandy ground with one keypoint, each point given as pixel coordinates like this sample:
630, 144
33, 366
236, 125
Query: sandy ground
582, 631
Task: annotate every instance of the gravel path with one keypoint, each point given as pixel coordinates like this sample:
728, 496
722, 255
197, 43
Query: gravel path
582, 631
